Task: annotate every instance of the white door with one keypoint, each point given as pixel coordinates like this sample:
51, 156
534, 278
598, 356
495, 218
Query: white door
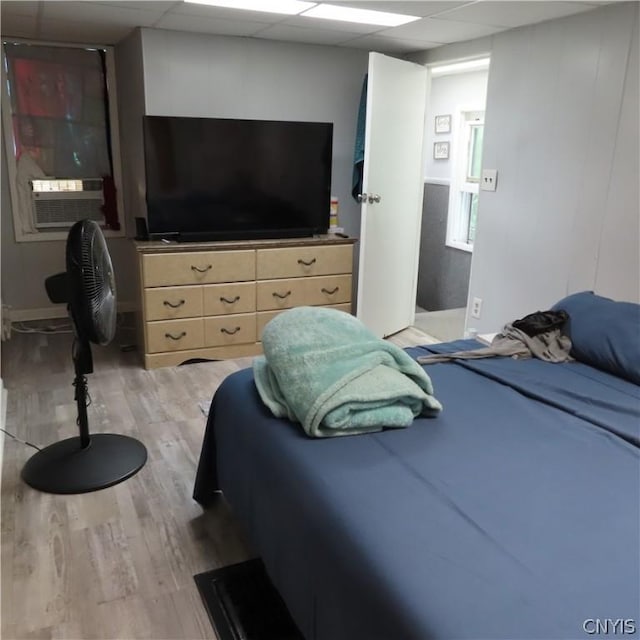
390, 227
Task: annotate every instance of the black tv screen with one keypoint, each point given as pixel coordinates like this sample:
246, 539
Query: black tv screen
227, 179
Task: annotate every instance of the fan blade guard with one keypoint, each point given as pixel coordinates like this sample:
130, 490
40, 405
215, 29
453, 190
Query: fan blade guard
92, 288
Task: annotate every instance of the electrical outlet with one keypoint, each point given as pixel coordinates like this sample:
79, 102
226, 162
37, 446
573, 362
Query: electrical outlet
489, 180
476, 308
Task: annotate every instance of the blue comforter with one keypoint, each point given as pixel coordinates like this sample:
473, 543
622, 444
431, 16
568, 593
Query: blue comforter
515, 514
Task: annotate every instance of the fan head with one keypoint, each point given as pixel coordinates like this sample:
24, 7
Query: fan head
91, 282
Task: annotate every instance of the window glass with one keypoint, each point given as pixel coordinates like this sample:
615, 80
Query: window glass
475, 152
473, 216
463, 201
59, 109
59, 136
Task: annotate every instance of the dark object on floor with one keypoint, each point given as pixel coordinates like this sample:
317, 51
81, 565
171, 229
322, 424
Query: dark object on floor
243, 604
198, 361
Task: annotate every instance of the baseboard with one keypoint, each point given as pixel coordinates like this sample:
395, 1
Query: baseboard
58, 311
45, 313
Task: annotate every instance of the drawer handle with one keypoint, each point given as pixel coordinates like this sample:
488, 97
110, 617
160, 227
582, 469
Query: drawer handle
223, 299
330, 293
230, 332
178, 337
194, 268
166, 303
282, 296
305, 263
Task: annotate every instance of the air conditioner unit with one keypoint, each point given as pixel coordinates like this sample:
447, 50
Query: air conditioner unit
54, 208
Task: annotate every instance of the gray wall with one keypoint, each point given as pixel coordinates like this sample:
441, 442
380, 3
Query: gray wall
562, 130
131, 108
25, 265
448, 94
174, 73
443, 272
228, 77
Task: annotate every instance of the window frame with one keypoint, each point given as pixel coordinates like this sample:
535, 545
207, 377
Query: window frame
44, 235
457, 216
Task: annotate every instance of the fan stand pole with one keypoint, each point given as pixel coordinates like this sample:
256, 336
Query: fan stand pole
80, 383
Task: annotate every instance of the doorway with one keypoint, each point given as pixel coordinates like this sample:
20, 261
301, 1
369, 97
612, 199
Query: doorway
454, 131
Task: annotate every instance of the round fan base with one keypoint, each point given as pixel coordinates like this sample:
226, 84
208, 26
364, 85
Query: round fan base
65, 467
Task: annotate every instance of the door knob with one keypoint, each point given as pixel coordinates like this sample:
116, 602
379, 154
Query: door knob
361, 197
374, 198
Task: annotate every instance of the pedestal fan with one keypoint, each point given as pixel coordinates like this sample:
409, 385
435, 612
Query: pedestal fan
86, 462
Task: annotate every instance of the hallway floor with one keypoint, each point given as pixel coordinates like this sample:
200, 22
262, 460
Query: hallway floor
445, 325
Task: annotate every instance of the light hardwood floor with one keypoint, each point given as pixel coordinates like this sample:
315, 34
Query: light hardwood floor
117, 563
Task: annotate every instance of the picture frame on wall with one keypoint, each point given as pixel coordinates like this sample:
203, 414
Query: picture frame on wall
441, 150
443, 123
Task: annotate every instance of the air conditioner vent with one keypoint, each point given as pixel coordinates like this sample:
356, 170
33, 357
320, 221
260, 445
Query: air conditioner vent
62, 209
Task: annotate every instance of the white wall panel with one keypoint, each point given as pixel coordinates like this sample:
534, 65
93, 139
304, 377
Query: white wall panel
500, 209
618, 269
554, 98
603, 100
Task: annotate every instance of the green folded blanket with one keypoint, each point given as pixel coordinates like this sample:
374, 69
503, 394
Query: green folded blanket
325, 369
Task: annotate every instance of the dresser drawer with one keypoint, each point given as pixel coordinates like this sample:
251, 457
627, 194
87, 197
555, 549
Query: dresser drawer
285, 294
221, 299
232, 329
167, 303
265, 316
296, 262
197, 267
175, 335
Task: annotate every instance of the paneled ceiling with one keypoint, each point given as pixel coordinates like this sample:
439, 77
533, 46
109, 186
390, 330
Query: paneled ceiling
441, 22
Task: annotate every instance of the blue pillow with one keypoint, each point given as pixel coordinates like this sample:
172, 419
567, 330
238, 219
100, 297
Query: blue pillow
605, 334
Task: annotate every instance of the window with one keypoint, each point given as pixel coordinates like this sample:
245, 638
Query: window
60, 130
467, 163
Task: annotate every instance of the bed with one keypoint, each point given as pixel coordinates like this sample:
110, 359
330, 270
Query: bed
514, 514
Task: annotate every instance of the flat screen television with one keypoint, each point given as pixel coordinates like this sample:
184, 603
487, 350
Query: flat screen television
227, 179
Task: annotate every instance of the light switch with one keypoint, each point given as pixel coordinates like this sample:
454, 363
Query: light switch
489, 179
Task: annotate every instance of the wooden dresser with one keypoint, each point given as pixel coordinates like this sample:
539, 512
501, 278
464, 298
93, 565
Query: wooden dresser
212, 300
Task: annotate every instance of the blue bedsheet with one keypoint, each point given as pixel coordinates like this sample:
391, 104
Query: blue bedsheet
514, 514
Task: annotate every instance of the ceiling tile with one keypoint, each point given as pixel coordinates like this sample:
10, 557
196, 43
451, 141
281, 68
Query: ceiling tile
389, 45
199, 24
205, 11
513, 14
19, 8
443, 22
333, 25
82, 32
95, 13
160, 6
289, 33
440, 30
19, 26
